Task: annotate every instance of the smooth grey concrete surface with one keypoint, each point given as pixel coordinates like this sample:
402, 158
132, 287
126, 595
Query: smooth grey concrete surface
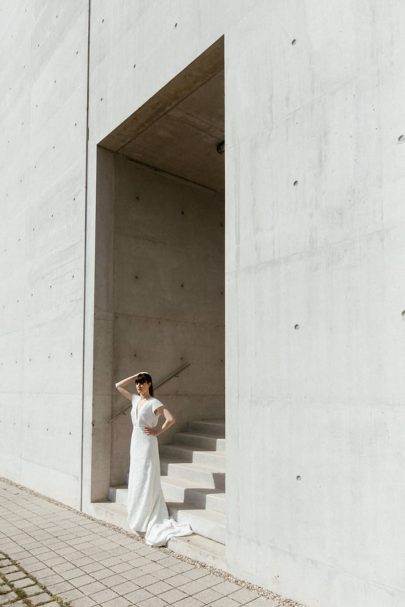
314, 264
42, 193
168, 297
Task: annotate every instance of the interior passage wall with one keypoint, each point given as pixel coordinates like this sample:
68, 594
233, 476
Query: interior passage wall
43, 46
168, 296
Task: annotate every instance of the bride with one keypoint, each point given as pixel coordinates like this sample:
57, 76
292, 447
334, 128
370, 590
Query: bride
147, 511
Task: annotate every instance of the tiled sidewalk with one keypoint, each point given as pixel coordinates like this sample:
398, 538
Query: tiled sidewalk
62, 557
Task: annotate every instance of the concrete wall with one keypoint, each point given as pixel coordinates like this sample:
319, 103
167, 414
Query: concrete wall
42, 193
313, 96
314, 260
168, 296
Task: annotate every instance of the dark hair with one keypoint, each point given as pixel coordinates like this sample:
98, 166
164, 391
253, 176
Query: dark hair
147, 378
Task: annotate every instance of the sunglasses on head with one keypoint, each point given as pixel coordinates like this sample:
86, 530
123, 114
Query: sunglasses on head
141, 380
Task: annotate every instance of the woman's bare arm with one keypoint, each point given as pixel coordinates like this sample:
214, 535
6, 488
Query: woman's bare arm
120, 386
169, 421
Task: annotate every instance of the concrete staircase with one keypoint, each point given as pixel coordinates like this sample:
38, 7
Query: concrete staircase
193, 483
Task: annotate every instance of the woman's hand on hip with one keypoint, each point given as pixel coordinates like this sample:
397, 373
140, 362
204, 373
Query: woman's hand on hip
151, 431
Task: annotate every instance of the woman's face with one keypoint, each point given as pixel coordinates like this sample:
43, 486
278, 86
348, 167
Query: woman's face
143, 389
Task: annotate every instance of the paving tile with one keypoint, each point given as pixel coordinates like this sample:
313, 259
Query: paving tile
102, 573
152, 602
182, 566
60, 587
192, 587
83, 602
25, 583
263, 602
36, 567
30, 590
9, 570
125, 587
9, 596
103, 595
138, 561
18, 575
55, 560
158, 587
177, 580
224, 601
173, 595
90, 567
113, 580
39, 598
152, 567
50, 578
144, 579
121, 567
226, 587
138, 595
118, 602
85, 560
82, 580
110, 561
243, 596
195, 574
208, 596
74, 593
188, 602
90, 589
72, 574
168, 561
61, 567
164, 574
210, 581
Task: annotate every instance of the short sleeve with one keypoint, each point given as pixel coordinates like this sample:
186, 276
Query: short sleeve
134, 399
156, 404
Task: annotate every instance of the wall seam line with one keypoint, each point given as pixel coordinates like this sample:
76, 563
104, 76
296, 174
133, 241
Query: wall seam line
85, 254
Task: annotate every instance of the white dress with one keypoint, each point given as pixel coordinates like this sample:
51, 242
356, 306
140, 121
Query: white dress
147, 511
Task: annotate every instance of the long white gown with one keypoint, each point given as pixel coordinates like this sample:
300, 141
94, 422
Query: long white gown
147, 511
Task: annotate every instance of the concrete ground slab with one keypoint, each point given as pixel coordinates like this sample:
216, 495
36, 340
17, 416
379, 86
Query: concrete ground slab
71, 559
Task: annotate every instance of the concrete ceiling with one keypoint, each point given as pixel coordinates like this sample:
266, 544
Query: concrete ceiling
179, 129
184, 141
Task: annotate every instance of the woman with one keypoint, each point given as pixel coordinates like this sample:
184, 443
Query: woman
147, 511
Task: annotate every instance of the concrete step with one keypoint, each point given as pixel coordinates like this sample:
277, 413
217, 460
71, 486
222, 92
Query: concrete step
208, 442
207, 523
204, 476
188, 453
185, 492
111, 513
214, 427
194, 546
118, 494
201, 549
193, 483
179, 491
216, 501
